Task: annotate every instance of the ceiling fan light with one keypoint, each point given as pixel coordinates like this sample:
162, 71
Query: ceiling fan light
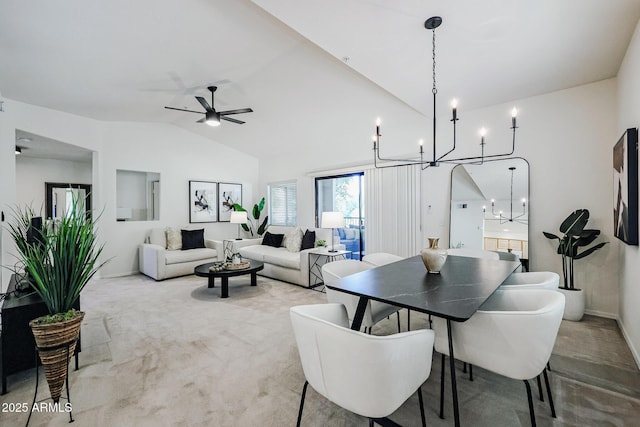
213, 119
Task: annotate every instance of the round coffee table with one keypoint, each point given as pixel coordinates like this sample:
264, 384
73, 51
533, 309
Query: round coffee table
203, 271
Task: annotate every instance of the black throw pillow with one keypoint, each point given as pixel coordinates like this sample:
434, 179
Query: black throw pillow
308, 240
192, 239
274, 240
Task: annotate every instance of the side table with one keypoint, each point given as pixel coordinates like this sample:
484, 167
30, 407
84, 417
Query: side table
319, 257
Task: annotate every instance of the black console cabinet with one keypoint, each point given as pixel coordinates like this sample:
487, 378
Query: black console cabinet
17, 346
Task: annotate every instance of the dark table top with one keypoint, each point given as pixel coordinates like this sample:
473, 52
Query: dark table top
203, 270
462, 286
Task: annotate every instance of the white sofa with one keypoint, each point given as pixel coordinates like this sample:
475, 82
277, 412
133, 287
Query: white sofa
160, 263
280, 263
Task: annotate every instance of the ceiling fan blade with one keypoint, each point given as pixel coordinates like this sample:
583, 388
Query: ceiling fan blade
239, 111
202, 120
229, 119
182, 109
204, 103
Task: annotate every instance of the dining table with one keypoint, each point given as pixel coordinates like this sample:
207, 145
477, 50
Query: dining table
454, 294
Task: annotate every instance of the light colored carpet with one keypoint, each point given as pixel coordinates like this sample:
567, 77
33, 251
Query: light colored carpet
173, 353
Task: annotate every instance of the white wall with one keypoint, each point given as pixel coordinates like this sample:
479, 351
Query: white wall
32, 173
629, 256
566, 136
179, 156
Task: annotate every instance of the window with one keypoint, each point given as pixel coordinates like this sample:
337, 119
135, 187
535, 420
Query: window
282, 203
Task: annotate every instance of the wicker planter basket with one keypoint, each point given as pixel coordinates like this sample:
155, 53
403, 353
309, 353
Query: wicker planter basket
56, 360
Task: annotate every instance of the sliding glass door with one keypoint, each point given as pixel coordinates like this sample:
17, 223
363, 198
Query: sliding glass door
343, 193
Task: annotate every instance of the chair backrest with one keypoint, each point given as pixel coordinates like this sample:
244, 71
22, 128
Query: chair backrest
335, 270
532, 280
513, 334
473, 253
366, 374
381, 258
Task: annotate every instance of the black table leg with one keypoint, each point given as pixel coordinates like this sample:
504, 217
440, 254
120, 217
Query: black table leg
254, 279
357, 318
452, 367
225, 287
212, 282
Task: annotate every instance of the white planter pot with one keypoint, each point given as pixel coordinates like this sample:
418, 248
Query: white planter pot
573, 304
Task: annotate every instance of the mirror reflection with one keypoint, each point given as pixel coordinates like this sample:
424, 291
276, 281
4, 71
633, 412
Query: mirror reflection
59, 198
490, 206
137, 195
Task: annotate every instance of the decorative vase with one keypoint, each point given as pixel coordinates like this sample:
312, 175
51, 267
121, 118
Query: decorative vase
51, 340
574, 301
432, 257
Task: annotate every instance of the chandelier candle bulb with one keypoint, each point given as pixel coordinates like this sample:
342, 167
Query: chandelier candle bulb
454, 108
514, 114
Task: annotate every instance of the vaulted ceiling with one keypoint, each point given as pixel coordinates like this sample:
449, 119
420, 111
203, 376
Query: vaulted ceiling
124, 61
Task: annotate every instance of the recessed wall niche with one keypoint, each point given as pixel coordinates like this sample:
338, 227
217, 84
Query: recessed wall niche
137, 195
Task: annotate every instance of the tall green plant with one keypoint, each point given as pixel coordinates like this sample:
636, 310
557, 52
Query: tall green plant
574, 237
255, 212
65, 258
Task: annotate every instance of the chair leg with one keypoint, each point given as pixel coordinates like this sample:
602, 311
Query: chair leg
304, 393
546, 381
442, 389
408, 320
370, 422
540, 388
470, 372
464, 367
422, 417
398, 317
532, 414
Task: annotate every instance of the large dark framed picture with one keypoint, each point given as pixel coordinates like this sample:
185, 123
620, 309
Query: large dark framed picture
203, 201
228, 195
625, 187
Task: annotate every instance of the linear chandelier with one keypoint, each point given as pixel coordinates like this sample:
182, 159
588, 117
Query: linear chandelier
503, 219
381, 162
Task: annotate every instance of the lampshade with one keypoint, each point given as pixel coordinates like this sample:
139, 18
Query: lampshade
238, 217
332, 220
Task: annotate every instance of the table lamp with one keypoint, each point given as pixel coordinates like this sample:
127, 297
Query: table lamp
332, 220
238, 217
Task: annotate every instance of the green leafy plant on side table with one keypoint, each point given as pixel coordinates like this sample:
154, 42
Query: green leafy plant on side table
257, 227
574, 237
60, 261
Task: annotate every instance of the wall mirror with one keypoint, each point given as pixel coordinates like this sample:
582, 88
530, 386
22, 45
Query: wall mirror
137, 195
490, 206
59, 197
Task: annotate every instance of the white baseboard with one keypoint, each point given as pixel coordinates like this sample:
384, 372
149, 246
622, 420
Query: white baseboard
601, 314
634, 352
124, 274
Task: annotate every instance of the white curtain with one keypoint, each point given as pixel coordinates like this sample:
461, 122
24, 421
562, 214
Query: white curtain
392, 210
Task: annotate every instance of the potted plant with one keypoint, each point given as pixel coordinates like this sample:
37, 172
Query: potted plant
59, 259
256, 212
574, 238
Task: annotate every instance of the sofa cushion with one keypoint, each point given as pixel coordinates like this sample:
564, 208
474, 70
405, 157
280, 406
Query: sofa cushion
177, 257
283, 258
294, 240
254, 252
174, 239
158, 236
274, 240
308, 240
192, 239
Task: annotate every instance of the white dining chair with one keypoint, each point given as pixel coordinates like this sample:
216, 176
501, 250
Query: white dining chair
383, 258
369, 375
512, 335
532, 280
473, 253
375, 311
380, 258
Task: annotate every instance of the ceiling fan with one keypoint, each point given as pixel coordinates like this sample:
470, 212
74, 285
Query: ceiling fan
211, 116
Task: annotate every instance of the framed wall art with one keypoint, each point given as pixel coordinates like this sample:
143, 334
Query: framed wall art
228, 195
625, 187
203, 206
